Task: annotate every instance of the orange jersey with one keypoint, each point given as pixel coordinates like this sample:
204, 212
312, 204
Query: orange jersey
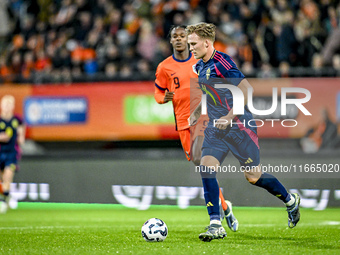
174, 75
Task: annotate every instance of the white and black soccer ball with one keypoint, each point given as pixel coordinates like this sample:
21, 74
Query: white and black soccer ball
154, 230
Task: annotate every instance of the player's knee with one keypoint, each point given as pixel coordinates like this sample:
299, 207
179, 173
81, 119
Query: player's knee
196, 160
252, 178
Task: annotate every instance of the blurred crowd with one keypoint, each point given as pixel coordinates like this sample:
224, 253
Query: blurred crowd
62, 40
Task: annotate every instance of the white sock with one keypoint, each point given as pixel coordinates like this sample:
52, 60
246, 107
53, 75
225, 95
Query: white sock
215, 222
291, 201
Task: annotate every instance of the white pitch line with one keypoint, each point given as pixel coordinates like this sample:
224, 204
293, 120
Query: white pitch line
324, 223
37, 227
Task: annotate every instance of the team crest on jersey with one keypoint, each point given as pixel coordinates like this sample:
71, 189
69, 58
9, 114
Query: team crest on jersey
208, 74
15, 123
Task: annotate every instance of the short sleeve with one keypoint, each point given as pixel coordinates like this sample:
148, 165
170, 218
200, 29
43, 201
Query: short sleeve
161, 81
226, 68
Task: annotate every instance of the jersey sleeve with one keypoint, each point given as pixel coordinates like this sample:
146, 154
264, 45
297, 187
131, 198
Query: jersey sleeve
227, 69
161, 84
19, 119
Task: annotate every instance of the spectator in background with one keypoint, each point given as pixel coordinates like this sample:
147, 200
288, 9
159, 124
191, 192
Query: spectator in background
61, 58
317, 62
90, 66
332, 45
66, 75
6, 74
162, 52
336, 64
286, 41
143, 68
226, 26
43, 62
27, 27
100, 8
84, 26
65, 15
147, 41
28, 66
115, 22
266, 72
16, 63
251, 31
245, 53
5, 27
284, 69
126, 71
247, 69
111, 70
76, 72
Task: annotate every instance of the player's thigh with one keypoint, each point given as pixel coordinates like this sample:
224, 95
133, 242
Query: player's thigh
10, 167
247, 151
214, 150
10, 162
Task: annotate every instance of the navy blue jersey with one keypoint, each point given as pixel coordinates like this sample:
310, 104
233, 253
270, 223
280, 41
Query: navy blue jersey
11, 129
221, 69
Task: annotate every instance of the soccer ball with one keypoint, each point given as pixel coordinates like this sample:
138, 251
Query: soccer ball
154, 230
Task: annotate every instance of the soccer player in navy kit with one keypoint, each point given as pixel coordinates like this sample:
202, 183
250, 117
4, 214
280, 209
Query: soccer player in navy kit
241, 139
12, 135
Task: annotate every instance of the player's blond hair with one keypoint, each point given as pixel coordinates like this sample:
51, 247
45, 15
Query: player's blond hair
8, 98
203, 30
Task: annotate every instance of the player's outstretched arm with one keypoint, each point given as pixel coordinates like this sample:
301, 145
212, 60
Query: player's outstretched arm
225, 121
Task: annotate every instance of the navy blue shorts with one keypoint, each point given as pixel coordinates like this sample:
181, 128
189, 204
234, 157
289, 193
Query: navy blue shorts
8, 160
243, 144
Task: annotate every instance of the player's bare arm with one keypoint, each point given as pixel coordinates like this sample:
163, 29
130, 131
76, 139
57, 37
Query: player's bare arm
21, 135
195, 115
4, 138
225, 121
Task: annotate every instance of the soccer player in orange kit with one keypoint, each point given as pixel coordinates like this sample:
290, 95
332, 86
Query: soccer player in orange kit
173, 84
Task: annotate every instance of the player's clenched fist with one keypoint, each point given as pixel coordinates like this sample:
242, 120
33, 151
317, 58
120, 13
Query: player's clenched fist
168, 96
223, 122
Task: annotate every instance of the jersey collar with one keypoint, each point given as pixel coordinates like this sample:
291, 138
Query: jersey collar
178, 60
212, 56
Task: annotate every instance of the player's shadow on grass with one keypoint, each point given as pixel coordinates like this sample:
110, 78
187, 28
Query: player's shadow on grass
307, 242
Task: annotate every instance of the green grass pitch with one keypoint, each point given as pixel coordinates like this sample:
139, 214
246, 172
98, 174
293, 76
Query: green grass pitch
48, 228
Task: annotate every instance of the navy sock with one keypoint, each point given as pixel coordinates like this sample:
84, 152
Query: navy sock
273, 186
211, 192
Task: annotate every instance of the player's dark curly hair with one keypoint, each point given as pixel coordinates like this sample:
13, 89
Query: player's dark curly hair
174, 27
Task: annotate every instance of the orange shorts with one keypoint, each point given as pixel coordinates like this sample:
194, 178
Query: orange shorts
188, 135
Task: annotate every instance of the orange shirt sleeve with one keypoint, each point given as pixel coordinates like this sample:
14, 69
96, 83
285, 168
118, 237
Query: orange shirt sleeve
161, 83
